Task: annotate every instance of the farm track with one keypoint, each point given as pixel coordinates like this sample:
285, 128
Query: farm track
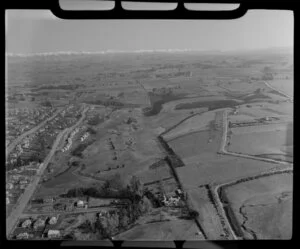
179, 123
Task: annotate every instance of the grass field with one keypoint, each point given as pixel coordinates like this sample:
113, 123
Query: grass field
285, 85
263, 205
277, 140
195, 144
193, 124
208, 168
167, 230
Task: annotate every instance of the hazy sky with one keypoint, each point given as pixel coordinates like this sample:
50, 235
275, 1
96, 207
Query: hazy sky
35, 31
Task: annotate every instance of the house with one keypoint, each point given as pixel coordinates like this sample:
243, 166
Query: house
9, 185
23, 182
53, 220
23, 236
26, 223
53, 234
80, 203
39, 223
48, 200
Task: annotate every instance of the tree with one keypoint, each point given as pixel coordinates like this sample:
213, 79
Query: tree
135, 186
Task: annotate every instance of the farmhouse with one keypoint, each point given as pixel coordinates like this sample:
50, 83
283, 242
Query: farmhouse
53, 234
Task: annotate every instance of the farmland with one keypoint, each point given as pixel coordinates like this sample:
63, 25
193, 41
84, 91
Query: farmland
172, 146
263, 206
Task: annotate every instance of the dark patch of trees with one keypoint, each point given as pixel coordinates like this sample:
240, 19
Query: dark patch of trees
157, 100
91, 131
211, 105
267, 76
46, 103
62, 87
80, 148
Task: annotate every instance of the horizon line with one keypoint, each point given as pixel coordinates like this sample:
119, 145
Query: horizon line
112, 51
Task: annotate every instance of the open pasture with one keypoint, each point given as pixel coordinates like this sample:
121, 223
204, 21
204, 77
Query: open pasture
193, 124
263, 206
272, 141
163, 231
208, 168
196, 143
284, 85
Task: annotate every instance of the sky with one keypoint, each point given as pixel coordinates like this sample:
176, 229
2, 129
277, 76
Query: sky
39, 31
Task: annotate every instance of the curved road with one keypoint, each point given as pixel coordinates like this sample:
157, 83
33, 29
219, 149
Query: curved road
277, 90
14, 143
25, 197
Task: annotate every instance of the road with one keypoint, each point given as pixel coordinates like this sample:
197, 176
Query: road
14, 143
225, 152
277, 90
25, 197
77, 211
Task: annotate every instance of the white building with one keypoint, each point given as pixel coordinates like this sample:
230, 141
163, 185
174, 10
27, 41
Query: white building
80, 203
26, 223
53, 221
53, 233
23, 236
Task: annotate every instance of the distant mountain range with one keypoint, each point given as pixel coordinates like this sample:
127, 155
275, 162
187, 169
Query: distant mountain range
59, 53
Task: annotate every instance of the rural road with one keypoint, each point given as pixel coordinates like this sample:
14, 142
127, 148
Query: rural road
277, 90
225, 152
25, 197
14, 143
77, 211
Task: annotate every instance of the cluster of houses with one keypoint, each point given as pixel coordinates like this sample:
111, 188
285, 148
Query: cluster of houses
85, 136
38, 225
15, 183
24, 119
174, 199
70, 138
